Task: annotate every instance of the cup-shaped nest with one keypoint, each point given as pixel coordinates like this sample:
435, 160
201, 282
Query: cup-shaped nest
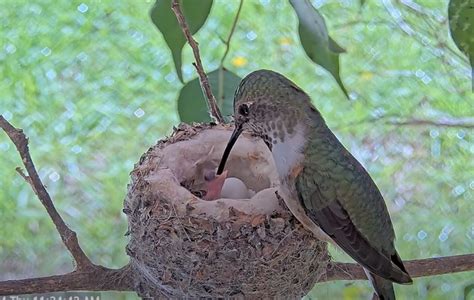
182, 246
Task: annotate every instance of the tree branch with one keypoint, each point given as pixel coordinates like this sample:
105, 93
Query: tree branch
416, 268
95, 279
442, 122
206, 88
86, 275
103, 279
68, 236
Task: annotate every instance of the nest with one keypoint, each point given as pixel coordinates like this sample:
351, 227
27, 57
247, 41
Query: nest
184, 247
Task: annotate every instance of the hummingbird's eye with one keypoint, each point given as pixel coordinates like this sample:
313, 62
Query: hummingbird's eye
244, 110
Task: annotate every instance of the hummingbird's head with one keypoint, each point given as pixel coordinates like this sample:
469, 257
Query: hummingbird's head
265, 99
266, 104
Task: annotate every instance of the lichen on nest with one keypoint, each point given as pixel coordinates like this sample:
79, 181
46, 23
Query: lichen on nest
182, 246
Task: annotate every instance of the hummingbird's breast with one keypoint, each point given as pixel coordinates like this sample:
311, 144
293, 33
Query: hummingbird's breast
287, 150
288, 154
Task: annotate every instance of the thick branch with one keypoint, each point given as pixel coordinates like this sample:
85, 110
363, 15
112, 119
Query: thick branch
206, 88
416, 268
103, 279
68, 236
95, 279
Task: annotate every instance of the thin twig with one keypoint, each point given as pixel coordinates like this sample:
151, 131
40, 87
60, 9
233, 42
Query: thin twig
231, 33
206, 88
442, 122
423, 14
416, 268
68, 236
362, 22
25, 177
394, 119
405, 27
220, 81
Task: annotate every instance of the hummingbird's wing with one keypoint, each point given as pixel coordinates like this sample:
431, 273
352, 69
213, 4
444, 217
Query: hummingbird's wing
335, 221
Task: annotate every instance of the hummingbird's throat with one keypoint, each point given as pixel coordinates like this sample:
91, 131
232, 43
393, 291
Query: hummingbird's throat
288, 152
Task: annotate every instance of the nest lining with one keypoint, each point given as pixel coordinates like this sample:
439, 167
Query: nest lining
186, 247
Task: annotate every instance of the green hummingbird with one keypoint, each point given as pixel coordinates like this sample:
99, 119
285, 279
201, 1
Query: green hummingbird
322, 184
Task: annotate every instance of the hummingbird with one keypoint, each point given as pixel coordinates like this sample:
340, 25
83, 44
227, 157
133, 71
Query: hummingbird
322, 184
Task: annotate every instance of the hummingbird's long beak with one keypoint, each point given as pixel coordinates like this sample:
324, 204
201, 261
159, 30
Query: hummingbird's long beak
233, 138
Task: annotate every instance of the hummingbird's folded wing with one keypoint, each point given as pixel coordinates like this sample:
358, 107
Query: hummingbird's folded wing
334, 220
336, 223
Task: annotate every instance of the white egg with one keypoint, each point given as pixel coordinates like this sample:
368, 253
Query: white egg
234, 188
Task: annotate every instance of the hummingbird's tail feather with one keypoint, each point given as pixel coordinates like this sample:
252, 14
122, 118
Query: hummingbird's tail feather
383, 287
399, 263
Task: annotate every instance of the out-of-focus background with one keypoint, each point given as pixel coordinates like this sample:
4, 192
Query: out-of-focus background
93, 85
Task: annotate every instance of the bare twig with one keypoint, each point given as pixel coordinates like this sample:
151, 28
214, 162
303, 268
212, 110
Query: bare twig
231, 33
442, 122
401, 22
416, 268
206, 88
68, 236
394, 119
362, 22
25, 177
428, 17
220, 82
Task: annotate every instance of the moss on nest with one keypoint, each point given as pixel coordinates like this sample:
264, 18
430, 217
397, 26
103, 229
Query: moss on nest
183, 246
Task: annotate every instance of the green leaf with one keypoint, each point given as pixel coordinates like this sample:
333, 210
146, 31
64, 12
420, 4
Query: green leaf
461, 26
316, 42
192, 106
163, 17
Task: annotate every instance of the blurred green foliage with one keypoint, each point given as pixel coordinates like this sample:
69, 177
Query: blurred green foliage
93, 85
192, 106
